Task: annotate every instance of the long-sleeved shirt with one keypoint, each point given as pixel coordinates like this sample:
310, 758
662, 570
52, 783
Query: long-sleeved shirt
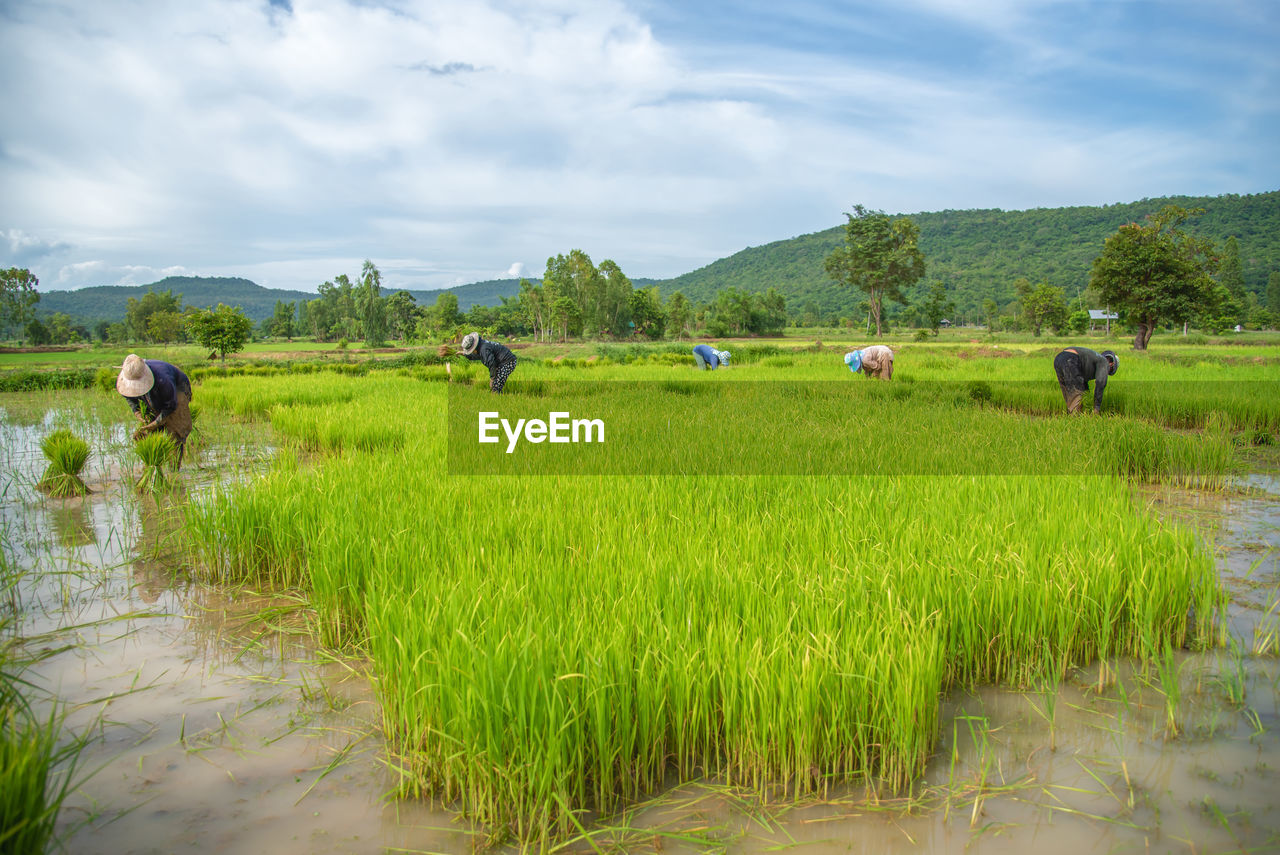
162, 399
1093, 366
709, 354
491, 354
875, 357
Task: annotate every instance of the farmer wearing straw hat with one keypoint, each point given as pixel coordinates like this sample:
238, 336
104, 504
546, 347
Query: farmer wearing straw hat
496, 357
709, 359
873, 361
1076, 366
167, 393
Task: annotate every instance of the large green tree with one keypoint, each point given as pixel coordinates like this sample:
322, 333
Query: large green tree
1231, 277
281, 321
646, 312
679, 314
139, 310
937, 306
18, 297
222, 330
880, 256
1273, 292
370, 307
1043, 305
1155, 272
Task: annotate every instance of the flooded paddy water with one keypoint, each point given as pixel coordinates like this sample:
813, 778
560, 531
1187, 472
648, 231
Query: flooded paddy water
216, 726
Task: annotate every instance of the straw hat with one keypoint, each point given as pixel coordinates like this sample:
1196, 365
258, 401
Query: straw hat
470, 342
135, 378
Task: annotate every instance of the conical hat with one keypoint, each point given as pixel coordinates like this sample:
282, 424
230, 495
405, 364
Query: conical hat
135, 378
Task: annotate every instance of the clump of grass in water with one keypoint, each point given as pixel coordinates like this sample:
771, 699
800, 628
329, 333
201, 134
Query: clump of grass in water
155, 450
67, 455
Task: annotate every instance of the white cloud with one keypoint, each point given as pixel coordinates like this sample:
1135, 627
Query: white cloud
515, 271
23, 248
83, 274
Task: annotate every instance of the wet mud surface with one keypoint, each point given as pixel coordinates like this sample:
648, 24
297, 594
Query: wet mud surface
218, 727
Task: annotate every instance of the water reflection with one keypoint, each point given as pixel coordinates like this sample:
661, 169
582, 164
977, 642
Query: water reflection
72, 523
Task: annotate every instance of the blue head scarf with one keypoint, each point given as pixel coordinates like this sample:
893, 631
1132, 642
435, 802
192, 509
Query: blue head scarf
853, 360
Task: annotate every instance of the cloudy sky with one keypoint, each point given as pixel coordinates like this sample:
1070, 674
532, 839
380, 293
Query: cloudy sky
452, 141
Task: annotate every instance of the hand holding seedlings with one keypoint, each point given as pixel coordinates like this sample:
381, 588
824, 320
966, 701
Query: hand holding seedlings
165, 392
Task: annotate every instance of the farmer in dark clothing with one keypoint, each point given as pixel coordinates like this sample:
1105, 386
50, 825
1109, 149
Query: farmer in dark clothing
497, 358
167, 393
1075, 367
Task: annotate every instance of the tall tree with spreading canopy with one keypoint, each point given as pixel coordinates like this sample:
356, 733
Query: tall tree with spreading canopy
880, 256
18, 297
222, 330
1042, 305
1155, 273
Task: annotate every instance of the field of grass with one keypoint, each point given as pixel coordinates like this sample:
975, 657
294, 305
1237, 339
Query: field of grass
550, 645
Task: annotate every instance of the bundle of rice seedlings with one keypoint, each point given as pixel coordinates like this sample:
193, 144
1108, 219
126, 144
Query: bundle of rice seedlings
155, 450
67, 455
444, 351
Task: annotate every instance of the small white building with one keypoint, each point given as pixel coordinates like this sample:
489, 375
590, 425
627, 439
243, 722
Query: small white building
1101, 315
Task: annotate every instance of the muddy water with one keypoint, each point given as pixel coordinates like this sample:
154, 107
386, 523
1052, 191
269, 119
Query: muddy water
214, 730
217, 731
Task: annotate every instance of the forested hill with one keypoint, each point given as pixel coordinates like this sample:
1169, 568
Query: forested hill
979, 254
109, 302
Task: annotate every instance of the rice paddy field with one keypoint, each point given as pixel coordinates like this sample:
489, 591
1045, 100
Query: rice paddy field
779, 608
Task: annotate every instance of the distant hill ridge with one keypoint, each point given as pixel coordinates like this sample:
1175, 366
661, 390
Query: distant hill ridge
977, 253
111, 301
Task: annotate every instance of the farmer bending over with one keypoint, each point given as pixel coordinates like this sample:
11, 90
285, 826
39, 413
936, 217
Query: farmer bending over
709, 358
873, 361
1076, 366
167, 393
497, 358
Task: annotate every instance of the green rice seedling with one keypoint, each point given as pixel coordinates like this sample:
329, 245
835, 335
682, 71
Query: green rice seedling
155, 450
1170, 673
67, 455
36, 776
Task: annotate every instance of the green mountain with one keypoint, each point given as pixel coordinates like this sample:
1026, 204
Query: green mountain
109, 302
979, 253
